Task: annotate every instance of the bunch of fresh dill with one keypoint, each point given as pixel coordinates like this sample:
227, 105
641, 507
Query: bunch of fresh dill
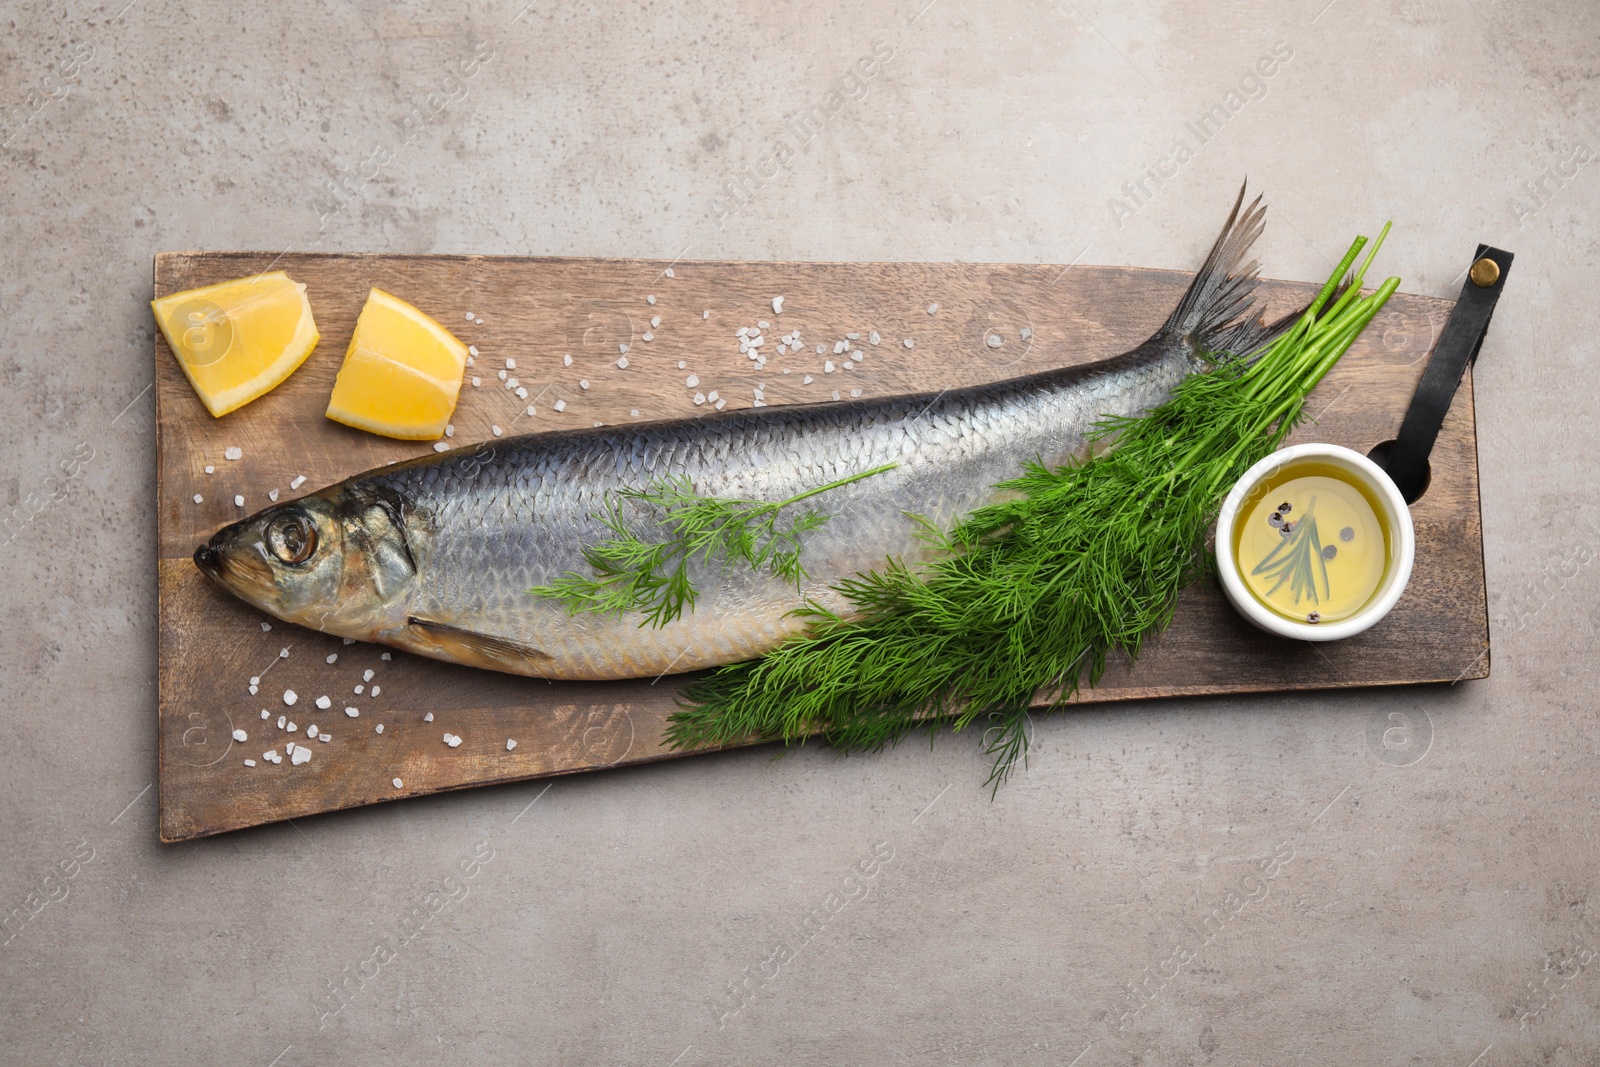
1030, 596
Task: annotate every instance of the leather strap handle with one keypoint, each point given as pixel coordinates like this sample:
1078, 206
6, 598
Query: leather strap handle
1406, 460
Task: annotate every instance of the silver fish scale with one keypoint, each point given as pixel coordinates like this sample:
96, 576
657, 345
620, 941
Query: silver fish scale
486, 530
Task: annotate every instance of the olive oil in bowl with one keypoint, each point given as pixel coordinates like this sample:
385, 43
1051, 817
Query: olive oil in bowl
1314, 542
1310, 545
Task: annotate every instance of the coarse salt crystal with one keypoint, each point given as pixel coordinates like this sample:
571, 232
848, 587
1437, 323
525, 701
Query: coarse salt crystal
428, 717
440, 446
270, 755
249, 763
352, 712
324, 703
299, 480
198, 498
511, 364
292, 728
655, 322
501, 375
855, 392
290, 696
623, 363
333, 657
692, 380
933, 307
366, 676
994, 340
744, 331
510, 744
786, 370
827, 366
836, 394
282, 721
532, 411
386, 656
255, 679
763, 403
253, 690
807, 380
1025, 332
265, 714
566, 361
561, 405
265, 627
283, 653
311, 731
848, 365
762, 324
820, 350
360, 689
853, 336
583, 383
512, 383
496, 430
452, 740
398, 783
378, 728
699, 398
647, 336
634, 412
909, 343
302, 754
522, 393
348, 640
839, 346
324, 737
472, 350
873, 338
476, 381
670, 273
210, 469
712, 396
722, 404
650, 299
449, 429
238, 501
232, 453
777, 305
272, 494
240, 735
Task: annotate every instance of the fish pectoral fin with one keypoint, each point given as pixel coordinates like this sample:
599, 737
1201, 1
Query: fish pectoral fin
481, 650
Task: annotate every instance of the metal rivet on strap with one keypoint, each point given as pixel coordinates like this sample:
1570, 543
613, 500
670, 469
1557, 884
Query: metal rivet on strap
1484, 273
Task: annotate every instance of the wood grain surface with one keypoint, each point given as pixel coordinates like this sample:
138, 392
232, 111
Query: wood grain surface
536, 311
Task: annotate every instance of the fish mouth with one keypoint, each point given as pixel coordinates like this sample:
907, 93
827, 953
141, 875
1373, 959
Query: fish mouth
209, 560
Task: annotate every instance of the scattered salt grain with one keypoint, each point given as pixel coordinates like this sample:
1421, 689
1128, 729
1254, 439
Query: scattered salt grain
510, 744
566, 361
692, 380
311, 731
839, 346
324, 737
561, 405
271, 755
699, 398
265, 714
933, 307
299, 480
265, 627
292, 728
807, 380
511, 364
198, 498
272, 494
873, 337
324, 703
301, 754
349, 640
819, 350
848, 365
452, 740
634, 412
623, 363
909, 343
496, 430
352, 712
855, 392
501, 375
376, 690
290, 696
378, 729
449, 429
249, 763
398, 783
254, 690
655, 322
232, 453
283, 653
994, 340
1026, 333
366, 676
238, 501
240, 735
650, 299
712, 396
333, 657
282, 721
533, 411
522, 393
721, 404
386, 656
836, 394
476, 381
472, 350
777, 305
706, 314
440, 446
827, 366
210, 469
583, 383
762, 324
360, 689
428, 717
670, 274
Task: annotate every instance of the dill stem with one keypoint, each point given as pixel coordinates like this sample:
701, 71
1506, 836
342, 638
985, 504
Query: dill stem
831, 485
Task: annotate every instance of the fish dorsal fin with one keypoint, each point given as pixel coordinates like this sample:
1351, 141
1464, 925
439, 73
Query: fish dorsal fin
481, 650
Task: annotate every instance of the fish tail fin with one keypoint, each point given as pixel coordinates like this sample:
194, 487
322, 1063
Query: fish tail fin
1216, 315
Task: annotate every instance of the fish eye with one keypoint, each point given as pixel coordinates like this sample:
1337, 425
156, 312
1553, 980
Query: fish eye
292, 537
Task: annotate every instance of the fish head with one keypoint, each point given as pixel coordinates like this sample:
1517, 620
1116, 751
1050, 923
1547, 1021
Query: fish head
339, 561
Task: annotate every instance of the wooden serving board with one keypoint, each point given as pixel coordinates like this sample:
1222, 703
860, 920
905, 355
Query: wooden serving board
537, 311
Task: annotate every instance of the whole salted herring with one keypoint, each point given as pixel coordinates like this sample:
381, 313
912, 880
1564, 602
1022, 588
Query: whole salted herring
438, 555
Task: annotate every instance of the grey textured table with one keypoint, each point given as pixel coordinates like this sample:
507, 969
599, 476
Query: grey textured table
1355, 877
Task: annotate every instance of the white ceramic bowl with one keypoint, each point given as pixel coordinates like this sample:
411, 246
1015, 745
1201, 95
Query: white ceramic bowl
1396, 517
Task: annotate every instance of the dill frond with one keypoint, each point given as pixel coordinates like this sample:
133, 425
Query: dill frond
1032, 595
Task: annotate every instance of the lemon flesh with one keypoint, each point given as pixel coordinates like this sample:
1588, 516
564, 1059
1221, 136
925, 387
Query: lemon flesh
237, 340
401, 374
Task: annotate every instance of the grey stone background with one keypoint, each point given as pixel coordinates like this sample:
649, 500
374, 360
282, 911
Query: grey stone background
1424, 861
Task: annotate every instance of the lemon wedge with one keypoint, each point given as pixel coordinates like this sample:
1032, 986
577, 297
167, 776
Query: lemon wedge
239, 339
401, 374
